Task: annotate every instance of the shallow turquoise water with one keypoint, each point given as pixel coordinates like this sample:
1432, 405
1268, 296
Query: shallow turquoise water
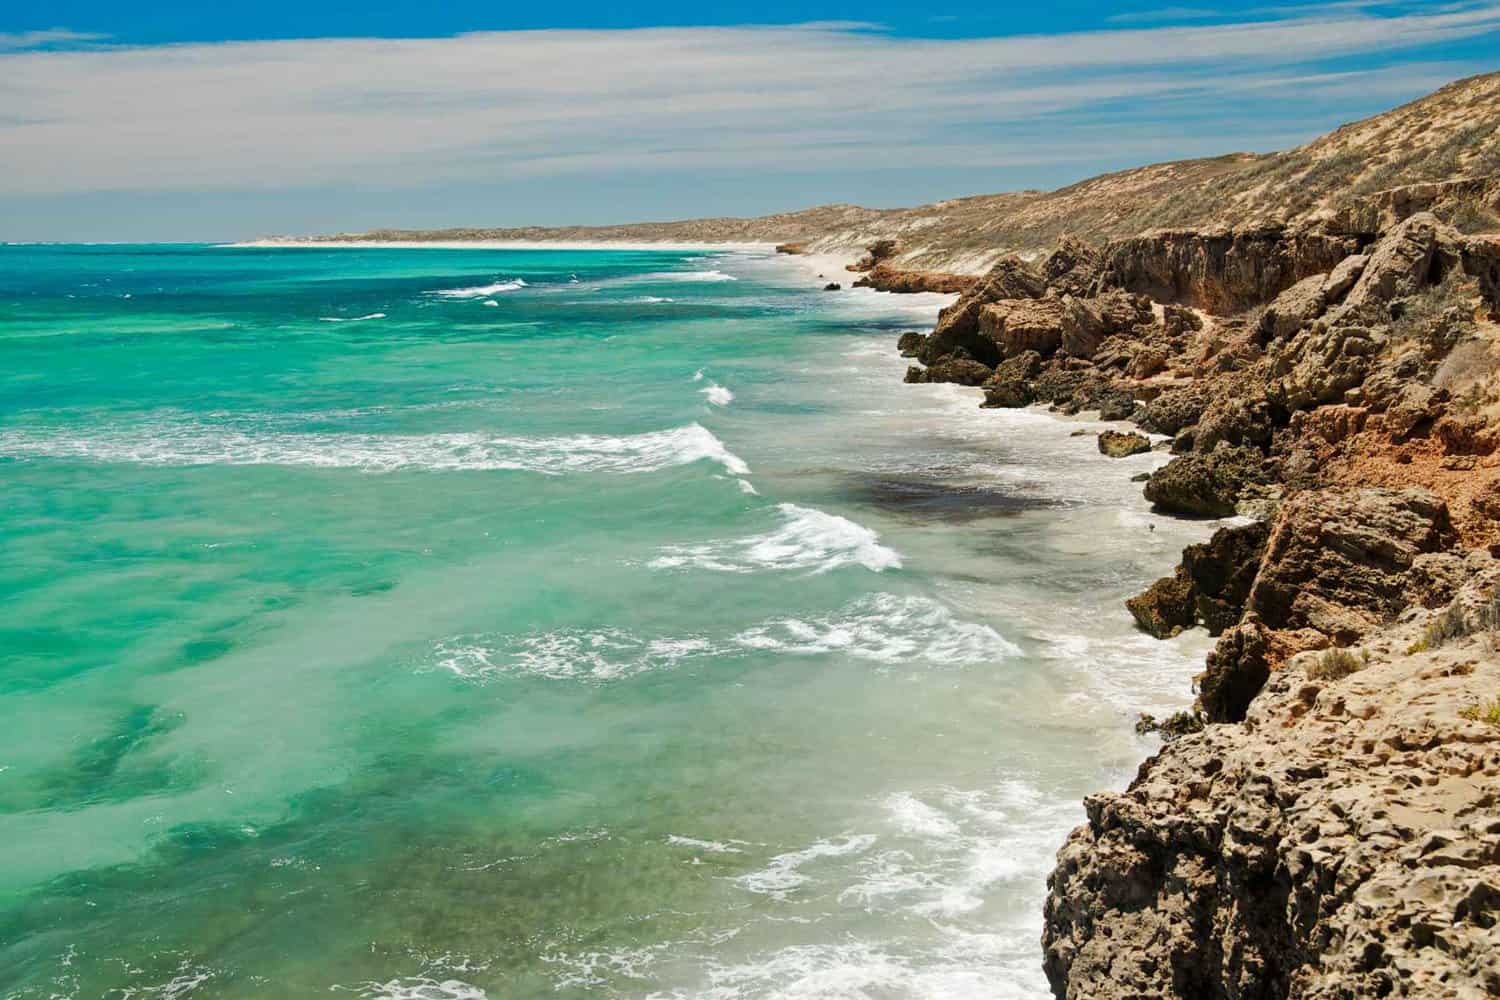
424, 623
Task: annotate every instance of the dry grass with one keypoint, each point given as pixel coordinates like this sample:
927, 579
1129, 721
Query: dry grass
1337, 663
1488, 711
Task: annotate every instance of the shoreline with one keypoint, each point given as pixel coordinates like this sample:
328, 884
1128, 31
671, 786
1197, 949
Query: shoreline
622, 245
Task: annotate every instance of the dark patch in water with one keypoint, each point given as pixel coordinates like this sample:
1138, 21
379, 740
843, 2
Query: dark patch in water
946, 501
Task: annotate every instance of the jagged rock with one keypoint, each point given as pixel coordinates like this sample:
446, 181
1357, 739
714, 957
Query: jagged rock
1072, 268
1336, 560
1383, 385
1319, 364
1467, 435
834, 286
1121, 445
1010, 386
910, 343
1294, 308
1206, 484
1088, 321
1179, 322
1235, 671
1176, 408
1238, 415
915, 374
1343, 276
1165, 608
1416, 406
1222, 571
1401, 263
1146, 362
1060, 386
958, 324
963, 371
1222, 271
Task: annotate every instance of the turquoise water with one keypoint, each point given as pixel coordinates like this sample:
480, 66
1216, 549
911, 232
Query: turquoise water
430, 624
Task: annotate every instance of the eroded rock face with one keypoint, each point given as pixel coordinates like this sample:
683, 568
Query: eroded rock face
1072, 269
1342, 842
1010, 386
1221, 271
1295, 308
885, 278
1177, 408
1016, 325
1165, 608
1320, 364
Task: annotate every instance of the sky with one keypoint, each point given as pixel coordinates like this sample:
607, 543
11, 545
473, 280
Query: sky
190, 121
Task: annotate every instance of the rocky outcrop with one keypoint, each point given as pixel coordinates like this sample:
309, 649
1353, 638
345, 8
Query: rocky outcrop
1010, 385
1207, 485
1221, 271
1342, 842
1118, 444
884, 278
1210, 587
876, 252
1404, 260
958, 324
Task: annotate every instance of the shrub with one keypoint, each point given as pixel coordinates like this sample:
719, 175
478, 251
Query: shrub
1483, 712
1334, 664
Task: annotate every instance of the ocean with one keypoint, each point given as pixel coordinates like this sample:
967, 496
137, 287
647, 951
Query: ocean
432, 624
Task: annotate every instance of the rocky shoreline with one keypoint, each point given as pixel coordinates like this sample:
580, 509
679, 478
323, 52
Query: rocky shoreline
1326, 823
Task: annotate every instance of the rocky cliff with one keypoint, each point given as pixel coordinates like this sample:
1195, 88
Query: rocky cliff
1327, 823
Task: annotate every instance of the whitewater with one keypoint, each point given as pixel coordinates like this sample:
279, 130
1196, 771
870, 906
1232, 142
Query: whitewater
501, 622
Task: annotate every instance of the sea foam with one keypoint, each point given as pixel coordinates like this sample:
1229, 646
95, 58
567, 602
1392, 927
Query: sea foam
192, 443
808, 539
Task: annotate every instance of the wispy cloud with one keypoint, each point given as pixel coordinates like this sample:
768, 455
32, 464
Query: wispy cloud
412, 112
51, 37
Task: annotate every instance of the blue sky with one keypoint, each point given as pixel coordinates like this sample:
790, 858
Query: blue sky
191, 121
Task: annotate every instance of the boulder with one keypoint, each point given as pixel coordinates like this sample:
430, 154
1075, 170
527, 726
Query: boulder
1222, 570
1294, 308
1087, 322
1207, 484
1238, 414
1404, 260
1017, 325
1343, 276
1165, 608
1415, 407
1116, 444
910, 343
1235, 672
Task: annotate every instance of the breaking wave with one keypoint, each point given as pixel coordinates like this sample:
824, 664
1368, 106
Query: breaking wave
885, 628
809, 540
189, 443
717, 394
480, 291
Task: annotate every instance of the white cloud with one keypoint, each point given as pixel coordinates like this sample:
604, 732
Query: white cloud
415, 112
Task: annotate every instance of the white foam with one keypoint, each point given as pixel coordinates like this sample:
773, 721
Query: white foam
784, 872
480, 291
885, 628
717, 394
350, 319
712, 275
191, 443
605, 654
710, 846
415, 988
809, 540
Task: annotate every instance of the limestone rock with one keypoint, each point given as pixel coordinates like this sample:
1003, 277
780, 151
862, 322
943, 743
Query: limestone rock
1343, 276
1010, 385
910, 343
963, 371
1177, 408
1319, 364
1017, 325
1400, 264
958, 324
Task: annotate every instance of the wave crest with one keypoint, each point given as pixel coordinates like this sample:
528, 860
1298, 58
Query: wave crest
809, 540
187, 443
480, 291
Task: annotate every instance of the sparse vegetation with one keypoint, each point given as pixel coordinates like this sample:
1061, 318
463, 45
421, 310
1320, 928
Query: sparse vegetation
1175, 725
1454, 623
1335, 664
1488, 711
